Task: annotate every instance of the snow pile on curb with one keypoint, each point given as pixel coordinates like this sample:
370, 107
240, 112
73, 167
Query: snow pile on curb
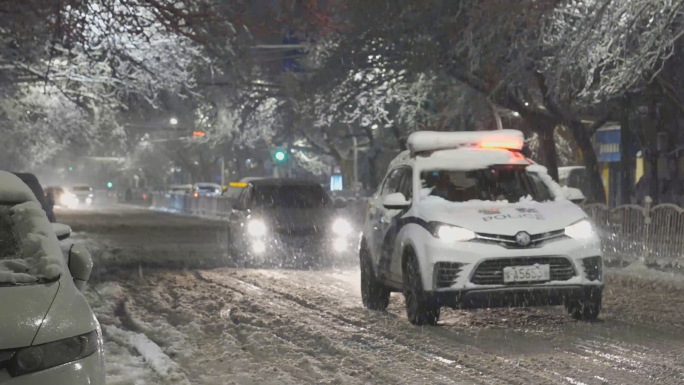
637, 274
42, 257
152, 354
131, 357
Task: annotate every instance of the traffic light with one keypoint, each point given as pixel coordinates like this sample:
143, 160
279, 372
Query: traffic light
110, 184
280, 156
71, 169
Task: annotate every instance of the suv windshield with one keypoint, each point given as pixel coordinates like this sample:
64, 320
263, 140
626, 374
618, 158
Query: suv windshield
510, 183
10, 248
301, 197
82, 188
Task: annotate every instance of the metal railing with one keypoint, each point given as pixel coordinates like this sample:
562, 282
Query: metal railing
654, 234
210, 206
221, 207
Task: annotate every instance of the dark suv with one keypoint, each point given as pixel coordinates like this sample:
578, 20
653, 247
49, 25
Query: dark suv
288, 223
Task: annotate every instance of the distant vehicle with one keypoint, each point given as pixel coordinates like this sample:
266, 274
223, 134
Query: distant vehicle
180, 189
55, 193
32, 182
206, 189
465, 220
288, 223
49, 333
235, 188
574, 176
83, 194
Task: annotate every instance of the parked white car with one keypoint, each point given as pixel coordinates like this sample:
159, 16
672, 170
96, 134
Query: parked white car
465, 220
48, 333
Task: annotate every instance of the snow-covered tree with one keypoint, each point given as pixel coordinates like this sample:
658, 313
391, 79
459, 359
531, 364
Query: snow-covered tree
605, 48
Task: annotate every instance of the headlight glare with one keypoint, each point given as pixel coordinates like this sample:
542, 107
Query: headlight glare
41, 357
341, 227
256, 228
580, 230
453, 233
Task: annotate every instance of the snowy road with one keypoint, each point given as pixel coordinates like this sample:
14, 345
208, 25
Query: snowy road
173, 315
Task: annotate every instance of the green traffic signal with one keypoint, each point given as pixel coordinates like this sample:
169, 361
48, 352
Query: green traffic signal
110, 184
279, 155
71, 169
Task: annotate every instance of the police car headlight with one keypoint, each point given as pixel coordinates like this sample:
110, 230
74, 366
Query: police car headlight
341, 227
453, 233
580, 230
256, 228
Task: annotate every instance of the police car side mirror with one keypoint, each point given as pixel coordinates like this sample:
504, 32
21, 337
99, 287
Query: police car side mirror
395, 201
574, 195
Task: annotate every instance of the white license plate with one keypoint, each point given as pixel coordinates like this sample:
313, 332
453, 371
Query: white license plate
527, 273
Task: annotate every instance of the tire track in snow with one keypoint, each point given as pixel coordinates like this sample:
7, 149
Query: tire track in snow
379, 335
558, 364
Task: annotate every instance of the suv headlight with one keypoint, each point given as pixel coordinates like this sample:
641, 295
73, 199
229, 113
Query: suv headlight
256, 228
40, 357
341, 227
580, 230
453, 233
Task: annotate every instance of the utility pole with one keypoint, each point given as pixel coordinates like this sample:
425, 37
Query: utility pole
223, 170
356, 163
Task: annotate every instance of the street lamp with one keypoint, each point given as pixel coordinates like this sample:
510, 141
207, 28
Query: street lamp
173, 121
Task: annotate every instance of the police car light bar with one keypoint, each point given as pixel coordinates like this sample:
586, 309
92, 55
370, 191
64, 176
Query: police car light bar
422, 141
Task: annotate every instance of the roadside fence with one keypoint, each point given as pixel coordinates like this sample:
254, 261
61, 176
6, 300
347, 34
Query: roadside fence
648, 233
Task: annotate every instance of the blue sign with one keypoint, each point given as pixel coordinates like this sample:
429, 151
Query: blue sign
608, 143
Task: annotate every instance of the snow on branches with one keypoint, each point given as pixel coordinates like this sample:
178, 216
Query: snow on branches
608, 47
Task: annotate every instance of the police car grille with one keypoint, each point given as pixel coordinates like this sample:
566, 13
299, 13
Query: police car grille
490, 272
446, 273
509, 242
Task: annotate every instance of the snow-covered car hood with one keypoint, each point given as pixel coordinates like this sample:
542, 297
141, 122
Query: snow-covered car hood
502, 218
41, 313
23, 311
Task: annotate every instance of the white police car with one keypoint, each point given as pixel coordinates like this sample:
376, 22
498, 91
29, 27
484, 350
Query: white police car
464, 220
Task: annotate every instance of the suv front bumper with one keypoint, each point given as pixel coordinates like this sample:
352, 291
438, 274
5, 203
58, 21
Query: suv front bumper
468, 256
517, 296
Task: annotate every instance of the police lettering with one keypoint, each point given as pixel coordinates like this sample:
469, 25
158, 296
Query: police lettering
513, 216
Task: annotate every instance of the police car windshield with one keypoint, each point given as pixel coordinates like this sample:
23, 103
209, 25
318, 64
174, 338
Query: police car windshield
301, 197
510, 183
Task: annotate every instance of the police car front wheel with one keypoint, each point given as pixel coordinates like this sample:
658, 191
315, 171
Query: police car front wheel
421, 308
374, 294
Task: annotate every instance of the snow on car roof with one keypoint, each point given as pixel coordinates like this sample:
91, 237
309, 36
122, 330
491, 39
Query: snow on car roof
464, 158
13, 190
432, 140
41, 253
469, 158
